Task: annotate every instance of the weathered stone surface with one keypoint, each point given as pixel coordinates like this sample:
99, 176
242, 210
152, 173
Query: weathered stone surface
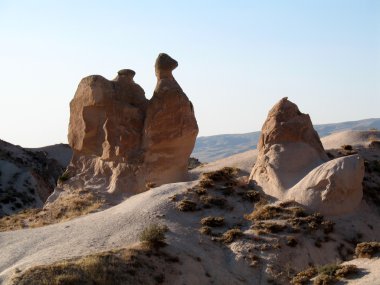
170, 127
333, 188
289, 148
121, 140
292, 164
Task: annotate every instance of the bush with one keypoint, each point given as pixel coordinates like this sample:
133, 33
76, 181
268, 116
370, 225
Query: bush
213, 221
64, 177
205, 230
347, 147
367, 249
291, 241
187, 206
224, 174
346, 270
230, 235
252, 196
304, 277
154, 235
216, 201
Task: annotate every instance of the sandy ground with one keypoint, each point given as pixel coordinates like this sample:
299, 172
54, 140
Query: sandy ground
120, 226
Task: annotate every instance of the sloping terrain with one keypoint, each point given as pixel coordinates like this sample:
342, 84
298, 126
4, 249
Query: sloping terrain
212, 148
27, 177
220, 232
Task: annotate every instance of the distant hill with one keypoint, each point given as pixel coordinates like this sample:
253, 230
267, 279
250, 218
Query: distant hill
212, 148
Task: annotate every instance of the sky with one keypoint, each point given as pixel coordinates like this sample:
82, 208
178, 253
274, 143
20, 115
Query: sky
236, 59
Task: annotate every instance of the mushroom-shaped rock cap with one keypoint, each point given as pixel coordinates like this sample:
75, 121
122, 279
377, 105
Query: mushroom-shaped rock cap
165, 62
126, 72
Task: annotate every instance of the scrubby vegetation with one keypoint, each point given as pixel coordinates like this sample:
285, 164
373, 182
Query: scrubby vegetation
154, 235
213, 221
186, 206
231, 235
325, 275
66, 207
124, 266
367, 249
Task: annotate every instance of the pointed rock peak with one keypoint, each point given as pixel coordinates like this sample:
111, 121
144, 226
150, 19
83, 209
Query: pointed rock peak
286, 124
289, 148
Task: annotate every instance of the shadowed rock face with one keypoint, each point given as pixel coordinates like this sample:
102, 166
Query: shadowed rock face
121, 140
292, 164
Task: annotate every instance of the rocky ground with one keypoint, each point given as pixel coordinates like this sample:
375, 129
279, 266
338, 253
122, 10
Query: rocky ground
220, 231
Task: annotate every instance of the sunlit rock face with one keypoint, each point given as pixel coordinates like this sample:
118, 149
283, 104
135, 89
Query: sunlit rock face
289, 148
121, 141
292, 164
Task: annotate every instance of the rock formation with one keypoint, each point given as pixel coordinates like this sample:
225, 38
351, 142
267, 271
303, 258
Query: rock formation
332, 188
121, 140
289, 148
292, 164
170, 127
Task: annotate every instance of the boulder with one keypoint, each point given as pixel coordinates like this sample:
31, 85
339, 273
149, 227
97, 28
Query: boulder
121, 141
333, 188
289, 148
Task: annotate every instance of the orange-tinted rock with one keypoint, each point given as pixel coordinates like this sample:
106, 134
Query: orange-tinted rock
292, 164
170, 127
289, 148
121, 140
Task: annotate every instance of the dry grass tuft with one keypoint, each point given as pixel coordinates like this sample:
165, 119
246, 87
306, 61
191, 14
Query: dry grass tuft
367, 249
345, 271
66, 207
205, 230
154, 235
269, 212
252, 195
150, 185
231, 235
224, 174
268, 227
304, 277
186, 206
213, 221
291, 241
209, 201
123, 266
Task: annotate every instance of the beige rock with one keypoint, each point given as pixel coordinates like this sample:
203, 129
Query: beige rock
121, 140
292, 165
170, 127
333, 188
289, 148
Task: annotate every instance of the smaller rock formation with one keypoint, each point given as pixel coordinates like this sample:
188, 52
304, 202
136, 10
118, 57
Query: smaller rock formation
289, 148
292, 164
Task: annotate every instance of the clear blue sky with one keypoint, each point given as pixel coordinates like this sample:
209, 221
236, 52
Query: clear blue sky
236, 58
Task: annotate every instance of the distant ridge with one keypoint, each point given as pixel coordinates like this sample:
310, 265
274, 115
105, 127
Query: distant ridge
211, 148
